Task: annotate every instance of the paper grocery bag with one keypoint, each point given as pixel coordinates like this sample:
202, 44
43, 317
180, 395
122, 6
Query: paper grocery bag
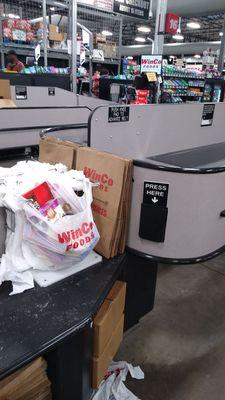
53, 151
114, 178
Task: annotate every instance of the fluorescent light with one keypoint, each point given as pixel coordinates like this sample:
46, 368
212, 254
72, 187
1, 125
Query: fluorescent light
52, 8
144, 29
197, 56
139, 39
178, 37
221, 34
130, 58
193, 25
107, 33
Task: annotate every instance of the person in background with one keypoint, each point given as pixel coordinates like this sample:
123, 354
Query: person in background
95, 83
14, 64
100, 73
104, 73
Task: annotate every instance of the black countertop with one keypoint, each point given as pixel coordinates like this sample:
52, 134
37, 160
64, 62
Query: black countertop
38, 319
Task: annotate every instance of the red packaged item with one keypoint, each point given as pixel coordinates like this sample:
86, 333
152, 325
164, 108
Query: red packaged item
40, 195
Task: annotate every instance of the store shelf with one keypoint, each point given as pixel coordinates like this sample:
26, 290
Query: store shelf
183, 76
28, 50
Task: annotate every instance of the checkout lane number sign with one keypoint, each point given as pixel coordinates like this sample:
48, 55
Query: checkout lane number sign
119, 114
156, 193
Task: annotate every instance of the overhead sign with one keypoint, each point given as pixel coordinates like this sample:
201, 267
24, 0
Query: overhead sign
119, 114
151, 64
133, 8
208, 114
172, 24
156, 193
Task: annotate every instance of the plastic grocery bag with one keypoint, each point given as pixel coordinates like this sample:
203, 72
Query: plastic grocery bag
36, 240
113, 387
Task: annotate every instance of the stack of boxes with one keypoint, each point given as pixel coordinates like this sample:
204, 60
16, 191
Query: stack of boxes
108, 331
109, 48
55, 37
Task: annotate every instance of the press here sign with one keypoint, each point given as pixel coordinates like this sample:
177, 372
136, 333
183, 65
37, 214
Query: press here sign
151, 64
133, 8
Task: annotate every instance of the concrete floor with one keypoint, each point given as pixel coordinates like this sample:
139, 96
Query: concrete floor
180, 345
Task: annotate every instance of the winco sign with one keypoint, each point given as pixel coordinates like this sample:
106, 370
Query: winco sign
151, 64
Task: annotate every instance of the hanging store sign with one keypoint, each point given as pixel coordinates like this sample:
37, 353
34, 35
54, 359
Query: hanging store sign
172, 24
208, 114
119, 114
151, 64
133, 8
156, 193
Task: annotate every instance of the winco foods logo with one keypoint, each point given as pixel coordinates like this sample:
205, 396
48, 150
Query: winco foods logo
103, 179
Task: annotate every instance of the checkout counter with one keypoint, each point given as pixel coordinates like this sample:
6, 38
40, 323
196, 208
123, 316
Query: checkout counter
178, 200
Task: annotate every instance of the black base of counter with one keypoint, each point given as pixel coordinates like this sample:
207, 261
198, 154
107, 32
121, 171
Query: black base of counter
56, 322
46, 80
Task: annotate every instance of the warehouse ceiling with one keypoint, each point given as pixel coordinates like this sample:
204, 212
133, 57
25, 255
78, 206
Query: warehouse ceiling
211, 26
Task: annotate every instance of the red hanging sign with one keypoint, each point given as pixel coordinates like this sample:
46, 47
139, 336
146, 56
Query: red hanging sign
172, 24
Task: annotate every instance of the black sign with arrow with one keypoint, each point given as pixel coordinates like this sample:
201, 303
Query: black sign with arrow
156, 193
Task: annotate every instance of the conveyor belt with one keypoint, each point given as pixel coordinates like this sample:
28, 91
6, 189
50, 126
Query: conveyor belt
199, 157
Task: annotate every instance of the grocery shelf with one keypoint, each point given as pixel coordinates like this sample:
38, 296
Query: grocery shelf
184, 76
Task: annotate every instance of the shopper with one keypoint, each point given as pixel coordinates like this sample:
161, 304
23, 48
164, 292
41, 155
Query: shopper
14, 64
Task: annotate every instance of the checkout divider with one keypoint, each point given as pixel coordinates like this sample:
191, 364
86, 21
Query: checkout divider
178, 200
41, 97
20, 127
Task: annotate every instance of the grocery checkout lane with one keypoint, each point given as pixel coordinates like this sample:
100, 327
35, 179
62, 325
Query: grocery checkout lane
166, 174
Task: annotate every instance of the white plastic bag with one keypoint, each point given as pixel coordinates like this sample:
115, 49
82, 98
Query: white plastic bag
113, 388
36, 242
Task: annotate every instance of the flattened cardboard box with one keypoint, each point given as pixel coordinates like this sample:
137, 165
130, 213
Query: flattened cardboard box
100, 365
108, 317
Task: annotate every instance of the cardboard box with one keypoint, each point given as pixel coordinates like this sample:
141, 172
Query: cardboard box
5, 94
53, 28
56, 37
108, 317
38, 25
100, 365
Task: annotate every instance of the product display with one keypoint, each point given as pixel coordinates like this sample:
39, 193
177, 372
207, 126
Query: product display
183, 84
54, 226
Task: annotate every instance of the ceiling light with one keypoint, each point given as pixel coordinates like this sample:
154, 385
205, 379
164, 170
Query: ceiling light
197, 56
178, 37
107, 33
139, 39
52, 8
221, 34
144, 29
172, 57
130, 58
193, 25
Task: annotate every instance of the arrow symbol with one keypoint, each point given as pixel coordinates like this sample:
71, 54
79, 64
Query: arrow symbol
155, 200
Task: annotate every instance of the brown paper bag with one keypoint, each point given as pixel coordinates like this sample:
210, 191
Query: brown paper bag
53, 151
110, 198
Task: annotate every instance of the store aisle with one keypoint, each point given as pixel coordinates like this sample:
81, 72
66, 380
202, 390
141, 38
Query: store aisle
181, 344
